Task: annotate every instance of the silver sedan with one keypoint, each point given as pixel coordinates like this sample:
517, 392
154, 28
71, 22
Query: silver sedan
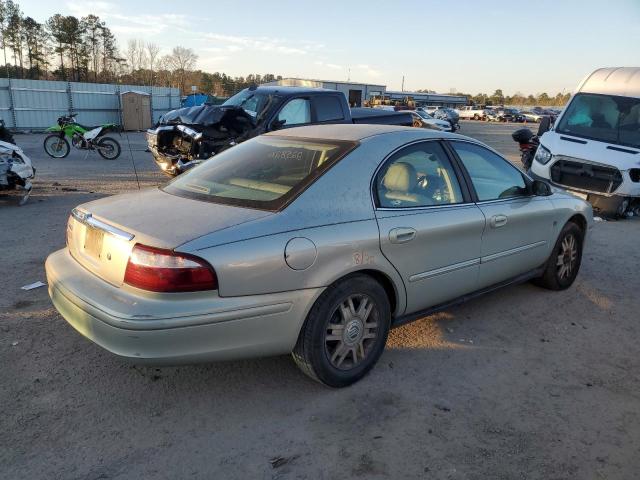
315, 241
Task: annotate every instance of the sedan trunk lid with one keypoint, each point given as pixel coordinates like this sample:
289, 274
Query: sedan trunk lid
102, 233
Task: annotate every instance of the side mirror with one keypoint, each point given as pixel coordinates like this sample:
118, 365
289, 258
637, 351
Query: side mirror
545, 125
540, 188
277, 124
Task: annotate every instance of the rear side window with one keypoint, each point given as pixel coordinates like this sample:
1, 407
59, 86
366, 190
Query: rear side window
606, 118
266, 172
328, 108
492, 176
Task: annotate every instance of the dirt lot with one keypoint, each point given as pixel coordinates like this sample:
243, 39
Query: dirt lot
523, 383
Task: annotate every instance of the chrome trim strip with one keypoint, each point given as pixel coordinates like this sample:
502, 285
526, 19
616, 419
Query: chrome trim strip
86, 218
510, 199
506, 253
442, 270
425, 207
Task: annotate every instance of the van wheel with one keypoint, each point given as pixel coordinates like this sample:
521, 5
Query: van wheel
564, 263
345, 332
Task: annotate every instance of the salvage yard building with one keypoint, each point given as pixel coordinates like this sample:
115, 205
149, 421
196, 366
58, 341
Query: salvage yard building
357, 93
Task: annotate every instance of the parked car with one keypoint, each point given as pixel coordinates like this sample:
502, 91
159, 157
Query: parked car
594, 146
469, 112
531, 116
509, 115
545, 112
449, 114
427, 121
492, 115
315, 241
188, 136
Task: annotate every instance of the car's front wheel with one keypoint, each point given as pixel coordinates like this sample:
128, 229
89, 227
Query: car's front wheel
564, 263
345, 332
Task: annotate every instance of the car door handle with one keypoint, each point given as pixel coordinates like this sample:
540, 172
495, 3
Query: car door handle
498, 221
402, 235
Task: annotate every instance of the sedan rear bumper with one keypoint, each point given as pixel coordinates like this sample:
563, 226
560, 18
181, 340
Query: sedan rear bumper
235, 327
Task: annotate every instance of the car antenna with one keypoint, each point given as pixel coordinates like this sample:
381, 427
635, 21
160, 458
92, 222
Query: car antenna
135, 170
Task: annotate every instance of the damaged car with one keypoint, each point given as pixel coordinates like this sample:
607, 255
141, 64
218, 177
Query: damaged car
594, 146
16, 170
187, 136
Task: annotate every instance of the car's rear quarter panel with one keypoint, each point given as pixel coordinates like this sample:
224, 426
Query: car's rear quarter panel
336, 213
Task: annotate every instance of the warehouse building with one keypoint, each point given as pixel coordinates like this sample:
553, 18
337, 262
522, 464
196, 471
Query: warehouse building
357, 93
428, 99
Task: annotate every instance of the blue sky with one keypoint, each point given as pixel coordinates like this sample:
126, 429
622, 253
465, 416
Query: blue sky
470, 46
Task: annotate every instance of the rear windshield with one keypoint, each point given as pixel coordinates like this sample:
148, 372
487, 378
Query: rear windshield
606, 118
266, 172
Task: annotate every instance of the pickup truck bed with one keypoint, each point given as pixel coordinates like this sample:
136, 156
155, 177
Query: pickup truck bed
381, 117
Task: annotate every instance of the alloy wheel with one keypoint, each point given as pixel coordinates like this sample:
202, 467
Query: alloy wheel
351, 331
567, 257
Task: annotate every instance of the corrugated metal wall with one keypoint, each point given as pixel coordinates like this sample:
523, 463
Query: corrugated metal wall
36, 104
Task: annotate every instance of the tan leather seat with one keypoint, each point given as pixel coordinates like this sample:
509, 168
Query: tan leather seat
400, 182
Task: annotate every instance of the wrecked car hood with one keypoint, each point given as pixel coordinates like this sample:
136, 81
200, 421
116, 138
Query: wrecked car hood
187, 136
206, 116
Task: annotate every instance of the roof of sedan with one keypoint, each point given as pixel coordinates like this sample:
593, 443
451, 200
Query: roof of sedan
355, 132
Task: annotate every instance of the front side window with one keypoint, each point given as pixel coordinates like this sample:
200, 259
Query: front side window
492, 176
420, 175
606, 118
266, 172
295, 112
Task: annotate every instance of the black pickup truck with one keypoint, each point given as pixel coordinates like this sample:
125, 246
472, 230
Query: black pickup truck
187, 136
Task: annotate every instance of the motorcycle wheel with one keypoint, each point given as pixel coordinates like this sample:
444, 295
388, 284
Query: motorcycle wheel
108, 148
56, 146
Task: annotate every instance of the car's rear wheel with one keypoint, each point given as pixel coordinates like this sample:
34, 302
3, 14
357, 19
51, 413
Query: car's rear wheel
564, 263
345, 332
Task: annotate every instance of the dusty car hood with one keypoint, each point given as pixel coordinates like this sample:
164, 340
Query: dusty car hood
167, 221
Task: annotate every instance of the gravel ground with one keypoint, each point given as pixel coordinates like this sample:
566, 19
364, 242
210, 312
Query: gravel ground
520, 384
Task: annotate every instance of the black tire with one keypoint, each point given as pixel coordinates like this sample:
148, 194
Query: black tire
553, 277
108, 148
62, 145
313, 349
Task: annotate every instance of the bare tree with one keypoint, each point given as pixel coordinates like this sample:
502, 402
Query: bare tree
136, 58
181, 61
152, 54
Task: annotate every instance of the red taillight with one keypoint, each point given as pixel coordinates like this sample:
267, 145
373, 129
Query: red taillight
160, 270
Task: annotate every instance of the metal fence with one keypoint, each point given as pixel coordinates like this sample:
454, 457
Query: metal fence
36, 104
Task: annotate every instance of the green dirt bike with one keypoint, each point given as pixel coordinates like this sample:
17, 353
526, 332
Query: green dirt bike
82, 137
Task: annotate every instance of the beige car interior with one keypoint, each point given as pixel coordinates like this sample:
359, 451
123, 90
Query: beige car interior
404, 186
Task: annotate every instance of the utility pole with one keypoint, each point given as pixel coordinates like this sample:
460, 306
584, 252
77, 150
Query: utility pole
402, 83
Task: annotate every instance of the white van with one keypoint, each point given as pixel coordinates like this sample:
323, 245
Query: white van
594, 145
